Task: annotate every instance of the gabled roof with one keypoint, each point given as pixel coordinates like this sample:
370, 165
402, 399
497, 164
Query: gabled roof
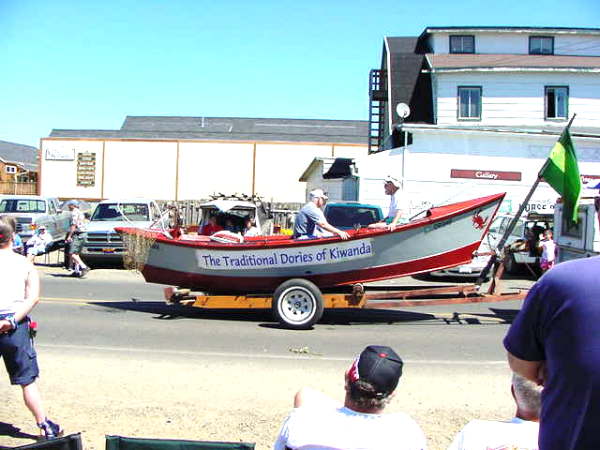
19, 154
404, 60
231, 128
453, 62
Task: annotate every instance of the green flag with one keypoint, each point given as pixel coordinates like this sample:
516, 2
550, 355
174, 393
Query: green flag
562, 173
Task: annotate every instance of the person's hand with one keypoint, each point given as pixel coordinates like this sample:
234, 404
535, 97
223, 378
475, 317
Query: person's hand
69, 240
343, 235
5, 326
391, 227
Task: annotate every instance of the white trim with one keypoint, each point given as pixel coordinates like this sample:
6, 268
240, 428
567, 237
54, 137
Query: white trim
514, 69
13, 169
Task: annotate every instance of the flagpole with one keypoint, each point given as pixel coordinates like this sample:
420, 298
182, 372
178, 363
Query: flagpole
516, 217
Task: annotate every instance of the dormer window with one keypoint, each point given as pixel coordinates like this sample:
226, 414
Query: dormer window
541, 45
462, 44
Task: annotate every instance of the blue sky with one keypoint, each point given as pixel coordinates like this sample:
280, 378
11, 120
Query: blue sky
86, 64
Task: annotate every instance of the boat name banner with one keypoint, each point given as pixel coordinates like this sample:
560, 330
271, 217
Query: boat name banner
284, 257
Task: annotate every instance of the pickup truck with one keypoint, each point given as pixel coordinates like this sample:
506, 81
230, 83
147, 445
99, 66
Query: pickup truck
347, 215
33, 211
102, 245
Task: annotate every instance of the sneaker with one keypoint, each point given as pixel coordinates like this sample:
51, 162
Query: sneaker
84, 272
49, 429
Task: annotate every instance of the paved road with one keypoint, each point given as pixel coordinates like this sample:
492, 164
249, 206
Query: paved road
116, 310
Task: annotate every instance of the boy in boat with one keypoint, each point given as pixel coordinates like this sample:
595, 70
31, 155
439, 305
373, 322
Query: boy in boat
391, 186
311, 218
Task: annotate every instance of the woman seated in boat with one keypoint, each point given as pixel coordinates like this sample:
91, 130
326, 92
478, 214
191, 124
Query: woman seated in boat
211, 227
249, 227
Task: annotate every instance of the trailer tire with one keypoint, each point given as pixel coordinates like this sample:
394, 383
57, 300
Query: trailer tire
297, 304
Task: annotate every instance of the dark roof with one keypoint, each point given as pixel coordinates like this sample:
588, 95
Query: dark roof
231, 128
463, 61
405, 62
19, 154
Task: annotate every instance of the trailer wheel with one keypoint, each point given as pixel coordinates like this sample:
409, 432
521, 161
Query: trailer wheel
297, 304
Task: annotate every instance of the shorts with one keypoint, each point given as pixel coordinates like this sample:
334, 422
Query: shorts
77, 243
546, 265
20, 359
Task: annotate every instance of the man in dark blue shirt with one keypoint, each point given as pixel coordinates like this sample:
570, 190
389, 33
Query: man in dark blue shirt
555, 340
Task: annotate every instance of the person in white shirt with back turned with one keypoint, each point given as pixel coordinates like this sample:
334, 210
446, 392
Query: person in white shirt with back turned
519, 433
318, 422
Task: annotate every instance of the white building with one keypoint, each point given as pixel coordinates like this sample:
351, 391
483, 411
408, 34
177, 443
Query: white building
486, 106
186, 158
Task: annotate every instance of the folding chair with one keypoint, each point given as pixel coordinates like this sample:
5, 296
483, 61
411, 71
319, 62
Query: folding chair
126, 443
70, 442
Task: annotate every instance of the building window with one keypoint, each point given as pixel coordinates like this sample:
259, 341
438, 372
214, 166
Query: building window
10, 169
469, 103
462, 44
557, 102
541, 45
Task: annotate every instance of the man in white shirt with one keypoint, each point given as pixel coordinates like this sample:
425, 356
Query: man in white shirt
18, 296
391, 186
521, 432
318, 422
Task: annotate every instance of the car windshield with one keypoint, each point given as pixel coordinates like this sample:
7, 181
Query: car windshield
115, 212
13, 205
343, 216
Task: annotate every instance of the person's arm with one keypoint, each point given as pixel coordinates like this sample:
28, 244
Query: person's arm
395, 220
328, 227
532, 370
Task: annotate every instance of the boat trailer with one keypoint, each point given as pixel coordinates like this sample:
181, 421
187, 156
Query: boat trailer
299, 304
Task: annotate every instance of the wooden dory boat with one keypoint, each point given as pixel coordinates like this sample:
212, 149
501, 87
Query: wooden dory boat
446, 236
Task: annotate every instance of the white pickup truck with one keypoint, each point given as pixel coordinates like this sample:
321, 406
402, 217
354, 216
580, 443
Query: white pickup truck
34, 211
102, 245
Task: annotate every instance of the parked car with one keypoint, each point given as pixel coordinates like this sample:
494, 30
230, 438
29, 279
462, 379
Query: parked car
102, 244
33, 211
581, 239
348, 215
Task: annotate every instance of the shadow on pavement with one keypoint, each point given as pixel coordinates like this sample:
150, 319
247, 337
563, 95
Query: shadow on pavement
8, 429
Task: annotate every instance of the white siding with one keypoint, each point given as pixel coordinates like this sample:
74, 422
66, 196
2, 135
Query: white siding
517, 99
434, 153
516, 42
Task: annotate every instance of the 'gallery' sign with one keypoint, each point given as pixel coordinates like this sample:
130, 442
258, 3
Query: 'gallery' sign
491, 175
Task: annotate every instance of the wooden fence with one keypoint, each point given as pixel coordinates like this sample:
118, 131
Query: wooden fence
10, 187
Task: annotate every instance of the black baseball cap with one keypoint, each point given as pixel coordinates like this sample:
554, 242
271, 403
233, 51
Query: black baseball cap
378, 365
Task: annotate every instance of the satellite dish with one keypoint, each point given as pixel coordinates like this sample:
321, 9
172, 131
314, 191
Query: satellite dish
403, 110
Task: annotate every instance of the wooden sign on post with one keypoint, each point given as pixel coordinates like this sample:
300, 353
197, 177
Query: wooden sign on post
86, 169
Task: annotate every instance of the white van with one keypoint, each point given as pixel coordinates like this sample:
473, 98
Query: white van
580, 240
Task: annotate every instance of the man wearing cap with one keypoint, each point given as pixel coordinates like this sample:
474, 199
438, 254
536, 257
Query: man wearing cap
38, 244
75, 240
391, 186
318, 422
311, 216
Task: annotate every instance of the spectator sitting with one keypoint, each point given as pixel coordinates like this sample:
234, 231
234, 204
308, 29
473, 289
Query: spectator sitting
249, 228
38, 244
211, 227
17, 244
319, 422
520, 432
229, 225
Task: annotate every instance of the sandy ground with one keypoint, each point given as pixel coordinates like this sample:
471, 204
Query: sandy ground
130, 393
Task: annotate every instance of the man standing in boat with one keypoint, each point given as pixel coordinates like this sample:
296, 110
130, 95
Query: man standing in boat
391, 186
311, 216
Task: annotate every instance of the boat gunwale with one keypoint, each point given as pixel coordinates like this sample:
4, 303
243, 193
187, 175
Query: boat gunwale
362, 233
